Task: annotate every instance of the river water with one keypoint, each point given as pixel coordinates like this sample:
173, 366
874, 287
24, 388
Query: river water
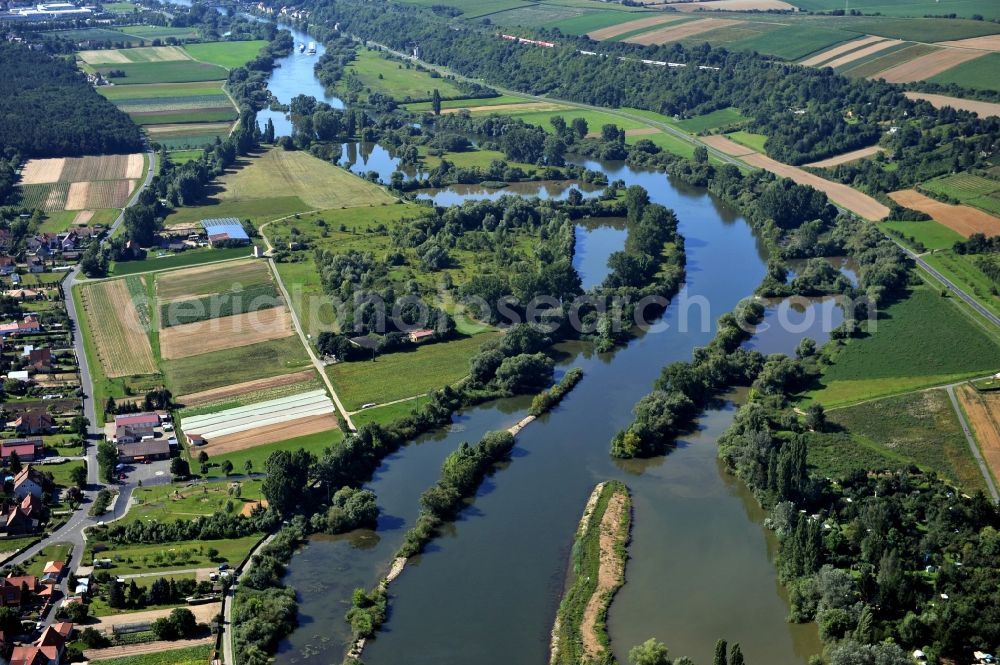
487, 591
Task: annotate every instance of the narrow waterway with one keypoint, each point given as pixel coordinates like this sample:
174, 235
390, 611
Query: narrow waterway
486, 592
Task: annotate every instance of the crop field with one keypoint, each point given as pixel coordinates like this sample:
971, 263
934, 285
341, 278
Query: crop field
632, 25
151, 32
964, 8
400, 80
866, 54
226, 54
244, 427
257, 456
921, 428
847, 157
960, 218
99, 194
203, 280
929, 65
573, 19
874, 63
427, 368
235, 365
978, 74
48, 198
928, 233
790, 42
982, 409
113, 323
188, 135
185, 656
924, 340
124, 56
180, 71
819, 59
678, 32
151, 91
226, 332
98, 34
472, 8
968, 188
753, 141
913, 29
713, 120
295, 173
251, 391
77, 169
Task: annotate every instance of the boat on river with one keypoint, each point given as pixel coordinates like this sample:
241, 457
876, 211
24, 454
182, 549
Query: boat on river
302, 47
312, 48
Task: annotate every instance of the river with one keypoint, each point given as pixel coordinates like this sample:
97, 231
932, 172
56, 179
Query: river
487, 591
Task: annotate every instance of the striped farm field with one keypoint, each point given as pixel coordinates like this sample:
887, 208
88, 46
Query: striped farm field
820, 59
161, 90
99, 194
928, 65
177, 71
160, 104
227, 332
191, 115
631, 26
675, 33
864, 52
867, 67
129, 55
47, 197
113, 323
209, 279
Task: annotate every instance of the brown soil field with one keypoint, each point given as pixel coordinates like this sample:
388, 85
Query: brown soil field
521, 106
928, 65
984, 109
988, 43
134, 167
194, 282
673, 34
842, 195
852, 156
962, 219
732, 5
83, 217
42, 171
79, 194
983, 412
235, 390
107, 193
829, 54
260, 436
629, 26
227, 332
119, 337
727, 146
610, 573
861, 53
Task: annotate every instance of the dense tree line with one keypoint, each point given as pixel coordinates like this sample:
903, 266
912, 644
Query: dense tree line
47, 109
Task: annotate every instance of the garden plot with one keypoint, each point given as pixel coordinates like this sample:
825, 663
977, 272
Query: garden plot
227, 332
256, 424
117, 329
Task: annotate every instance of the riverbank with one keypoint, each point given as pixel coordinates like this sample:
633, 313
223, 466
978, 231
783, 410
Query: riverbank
598, 571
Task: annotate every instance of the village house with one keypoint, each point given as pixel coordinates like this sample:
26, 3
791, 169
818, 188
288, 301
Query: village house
132, 427
8, 266
28, 482
33, 422
419, 335
16, 590
16, 522
144, 451
47, 650
35, 264
28, 450
40, 360
29, 324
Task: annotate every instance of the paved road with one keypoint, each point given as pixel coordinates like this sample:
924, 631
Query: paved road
228, 654
990, 485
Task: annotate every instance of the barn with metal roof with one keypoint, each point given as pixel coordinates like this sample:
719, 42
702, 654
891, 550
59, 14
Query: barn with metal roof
225, 231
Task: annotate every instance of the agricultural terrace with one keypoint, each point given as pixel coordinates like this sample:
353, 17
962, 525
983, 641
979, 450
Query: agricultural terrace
317, 184
982, 410
244, 427
919, 428
426, 368
217, 369
373, 72
86, 185
117, 328
923, 340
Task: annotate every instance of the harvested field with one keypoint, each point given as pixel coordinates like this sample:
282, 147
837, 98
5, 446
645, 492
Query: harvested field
79, 193
142, 54
207, 279
844, 196
104, 167
928, 65
983, 412
862, 53
829, 54
41, 171
227, 332
261, 436
629, 26
135, 166
673, 34
56, 199
83, 217
727, 146
522, 106
984, 109
732, 6
962, 219
847, 157
119, 336
99, 194
988, 43
227, 392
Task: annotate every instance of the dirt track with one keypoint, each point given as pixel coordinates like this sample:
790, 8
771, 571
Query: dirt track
227, 392
270, 434
610, 573
673, 34
829, 54
963, 219
629, 26
984, 109
983, 412
929, 65
852, 156
226, 332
